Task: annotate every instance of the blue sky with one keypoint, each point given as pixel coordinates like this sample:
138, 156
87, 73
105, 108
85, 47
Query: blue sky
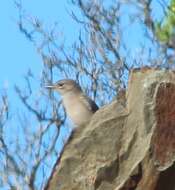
17, 54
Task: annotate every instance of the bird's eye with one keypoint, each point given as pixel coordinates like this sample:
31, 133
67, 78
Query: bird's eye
61, 84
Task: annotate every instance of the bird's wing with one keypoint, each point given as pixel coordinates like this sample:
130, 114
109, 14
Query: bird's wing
90, 104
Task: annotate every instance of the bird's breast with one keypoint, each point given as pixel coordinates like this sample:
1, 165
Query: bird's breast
76, 110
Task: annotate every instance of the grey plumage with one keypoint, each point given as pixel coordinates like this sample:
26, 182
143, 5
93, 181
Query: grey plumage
92, 106
78, 106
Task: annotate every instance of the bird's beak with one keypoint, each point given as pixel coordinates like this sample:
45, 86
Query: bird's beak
50, 86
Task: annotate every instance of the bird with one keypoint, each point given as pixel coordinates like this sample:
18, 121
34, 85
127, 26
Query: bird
78, 106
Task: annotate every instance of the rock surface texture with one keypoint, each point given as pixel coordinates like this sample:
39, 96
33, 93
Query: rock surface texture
127, 145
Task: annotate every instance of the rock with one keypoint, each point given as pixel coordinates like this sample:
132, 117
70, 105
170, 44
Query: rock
127, 146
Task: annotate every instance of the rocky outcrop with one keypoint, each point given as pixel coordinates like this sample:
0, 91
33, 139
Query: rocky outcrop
127, 145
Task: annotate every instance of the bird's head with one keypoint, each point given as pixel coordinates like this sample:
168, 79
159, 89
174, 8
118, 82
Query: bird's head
64, 86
